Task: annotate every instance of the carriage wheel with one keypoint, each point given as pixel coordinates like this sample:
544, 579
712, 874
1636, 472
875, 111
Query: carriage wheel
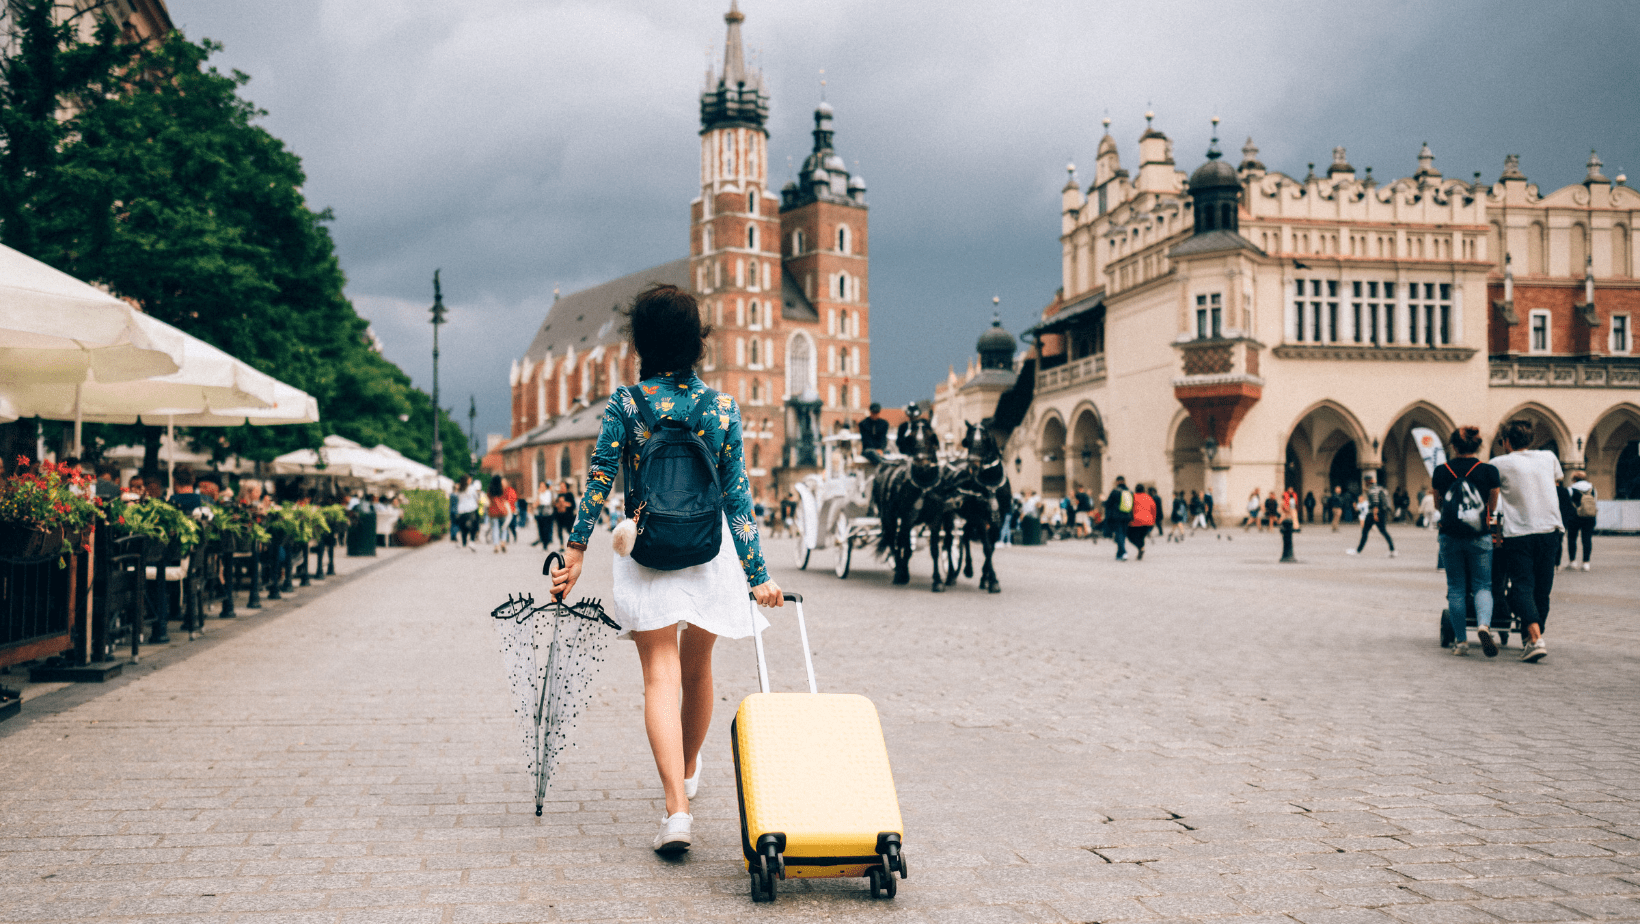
803, 553
842, 549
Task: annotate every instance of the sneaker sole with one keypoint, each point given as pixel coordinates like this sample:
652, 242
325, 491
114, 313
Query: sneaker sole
1489, 646
1533, 657
676, 845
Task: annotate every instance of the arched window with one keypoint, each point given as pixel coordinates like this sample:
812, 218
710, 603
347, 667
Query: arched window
799, 364
564, 467
751, 202
706, 239
842, 287
798, 242
751, 236
842, 238
754, 351
842, 361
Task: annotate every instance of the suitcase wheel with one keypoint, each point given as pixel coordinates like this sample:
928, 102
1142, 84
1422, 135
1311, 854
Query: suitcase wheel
883, 883
763, 888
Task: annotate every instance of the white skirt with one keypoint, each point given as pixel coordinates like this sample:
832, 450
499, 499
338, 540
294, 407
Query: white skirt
713, 596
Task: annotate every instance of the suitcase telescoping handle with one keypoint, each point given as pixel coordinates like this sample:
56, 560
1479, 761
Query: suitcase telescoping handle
802, 631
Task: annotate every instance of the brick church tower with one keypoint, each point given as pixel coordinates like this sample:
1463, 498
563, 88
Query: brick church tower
783, 280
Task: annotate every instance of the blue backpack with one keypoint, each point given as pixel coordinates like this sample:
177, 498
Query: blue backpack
674, 497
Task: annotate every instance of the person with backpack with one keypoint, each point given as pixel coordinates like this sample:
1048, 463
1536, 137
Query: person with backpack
1578, 507
1468, 492
690, 547
1375, 509
1118, 514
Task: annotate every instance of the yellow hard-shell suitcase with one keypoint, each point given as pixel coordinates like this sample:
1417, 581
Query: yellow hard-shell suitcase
816, 792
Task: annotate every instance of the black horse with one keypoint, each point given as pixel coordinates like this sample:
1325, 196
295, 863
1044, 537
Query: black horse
982, 498
909, 493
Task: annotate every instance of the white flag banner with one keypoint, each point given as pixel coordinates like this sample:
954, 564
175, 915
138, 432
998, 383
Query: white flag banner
1429, 446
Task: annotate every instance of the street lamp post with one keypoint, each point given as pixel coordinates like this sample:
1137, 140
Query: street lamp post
472, 424
438, 318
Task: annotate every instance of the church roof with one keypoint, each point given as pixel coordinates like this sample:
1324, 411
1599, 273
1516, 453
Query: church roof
590, 317
794, 305
582, 423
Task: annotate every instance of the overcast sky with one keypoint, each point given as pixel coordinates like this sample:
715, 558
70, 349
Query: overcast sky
522, 145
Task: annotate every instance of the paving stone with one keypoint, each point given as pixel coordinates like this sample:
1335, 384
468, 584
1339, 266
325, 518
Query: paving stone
357, 761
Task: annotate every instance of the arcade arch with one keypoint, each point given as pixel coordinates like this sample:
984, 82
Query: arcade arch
1613, 454
1086, 448
1052, 446
1324, 451
1189, 462
1402, 463
1548, 430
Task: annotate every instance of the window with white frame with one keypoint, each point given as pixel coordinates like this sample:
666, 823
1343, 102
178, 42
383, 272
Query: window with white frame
842, 287
1429, 313
751, 202
1539, 333
1209, 316
1620, 333
842, 239
751, 236
831, 395
798, 242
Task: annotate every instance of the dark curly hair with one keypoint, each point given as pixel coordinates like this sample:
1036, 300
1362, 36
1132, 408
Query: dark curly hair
667, 331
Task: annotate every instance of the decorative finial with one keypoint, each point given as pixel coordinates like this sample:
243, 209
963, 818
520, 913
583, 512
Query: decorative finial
1594, 166
996, 311
1106, 122
1148, 116
1213, 146
1621, 178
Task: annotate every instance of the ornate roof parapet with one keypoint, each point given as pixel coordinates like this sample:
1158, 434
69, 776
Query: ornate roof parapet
1594, 166
1250, 163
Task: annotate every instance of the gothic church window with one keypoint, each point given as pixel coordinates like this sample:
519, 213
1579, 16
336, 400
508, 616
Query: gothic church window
842, 239
799, 364
751, 202
751, 237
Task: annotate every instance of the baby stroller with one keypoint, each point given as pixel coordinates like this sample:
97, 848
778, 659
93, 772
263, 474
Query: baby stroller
1503, 617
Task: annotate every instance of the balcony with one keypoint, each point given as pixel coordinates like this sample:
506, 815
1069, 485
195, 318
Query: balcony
1523, 372
1216, 361
1089, 370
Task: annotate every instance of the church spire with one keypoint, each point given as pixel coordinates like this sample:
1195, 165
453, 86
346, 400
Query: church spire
735, 98
734, 58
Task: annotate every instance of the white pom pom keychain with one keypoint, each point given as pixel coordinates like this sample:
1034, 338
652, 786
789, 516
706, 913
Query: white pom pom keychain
625, 536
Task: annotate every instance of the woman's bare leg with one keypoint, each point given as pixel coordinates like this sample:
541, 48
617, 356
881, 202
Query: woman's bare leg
662, 676
696, 659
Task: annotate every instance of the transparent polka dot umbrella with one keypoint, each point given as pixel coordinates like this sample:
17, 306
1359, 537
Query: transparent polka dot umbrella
550, 695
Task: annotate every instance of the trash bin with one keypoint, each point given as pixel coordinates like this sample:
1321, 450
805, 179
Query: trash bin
1032, 530
361, 534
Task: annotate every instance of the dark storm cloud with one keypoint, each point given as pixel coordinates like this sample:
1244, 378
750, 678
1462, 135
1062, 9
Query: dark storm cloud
522, 146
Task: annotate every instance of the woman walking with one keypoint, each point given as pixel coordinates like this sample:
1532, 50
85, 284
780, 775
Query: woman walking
467, 501
498, 513
707, 600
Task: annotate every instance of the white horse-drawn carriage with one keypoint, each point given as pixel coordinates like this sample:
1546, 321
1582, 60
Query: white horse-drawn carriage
832, 508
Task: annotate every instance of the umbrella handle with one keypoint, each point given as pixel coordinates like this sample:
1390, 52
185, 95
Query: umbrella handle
546, 568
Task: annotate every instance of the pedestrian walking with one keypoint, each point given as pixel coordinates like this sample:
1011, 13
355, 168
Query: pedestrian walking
1255, 505
1084, 513
1402, 502
543, 515
709, 599
1272, 508
516, 513
1143, 520
1207, 508
498, 513
1578, 507
1119, 514
1527, 532
1374, 507
468, 496
1309, 506
563, 511
1469, 491
1177, 517
1332, 509
1198, 512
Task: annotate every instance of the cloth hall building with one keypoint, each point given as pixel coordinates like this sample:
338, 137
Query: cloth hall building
782, 278
1241, 329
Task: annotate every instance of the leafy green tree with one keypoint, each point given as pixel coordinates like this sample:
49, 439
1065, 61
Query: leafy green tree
153, 178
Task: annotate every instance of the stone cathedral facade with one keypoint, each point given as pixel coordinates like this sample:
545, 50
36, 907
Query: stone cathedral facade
783, 278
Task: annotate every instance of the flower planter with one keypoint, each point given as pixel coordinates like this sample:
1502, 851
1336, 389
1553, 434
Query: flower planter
23, 541
410, 538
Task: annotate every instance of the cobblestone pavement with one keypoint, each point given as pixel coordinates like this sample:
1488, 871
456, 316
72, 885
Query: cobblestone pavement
1204, 735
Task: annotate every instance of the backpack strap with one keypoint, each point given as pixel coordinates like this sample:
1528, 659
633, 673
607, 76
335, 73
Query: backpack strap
645, 412
707, 399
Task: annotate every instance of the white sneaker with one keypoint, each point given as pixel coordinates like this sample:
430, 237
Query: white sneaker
1351, 552
692, 785
1461, 649
1391, 553
1585, 566
674, 836
1535, 652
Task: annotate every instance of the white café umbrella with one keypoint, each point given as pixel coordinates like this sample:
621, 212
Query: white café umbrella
55, 328
339, 457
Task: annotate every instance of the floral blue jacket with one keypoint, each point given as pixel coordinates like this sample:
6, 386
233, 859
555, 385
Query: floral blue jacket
674, 395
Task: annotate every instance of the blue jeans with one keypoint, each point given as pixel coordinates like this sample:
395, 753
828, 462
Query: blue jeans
1006, 538
498, 529
1468, 572
1119, 532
